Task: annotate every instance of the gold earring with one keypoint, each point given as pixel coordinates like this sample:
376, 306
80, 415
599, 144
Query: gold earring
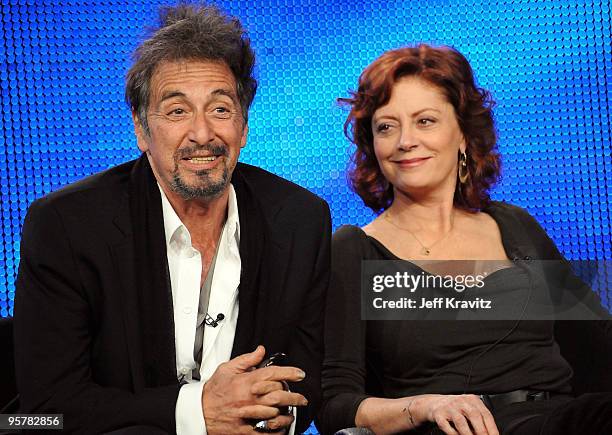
464, 172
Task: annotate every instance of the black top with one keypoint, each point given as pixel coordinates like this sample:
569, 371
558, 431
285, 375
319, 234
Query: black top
402, 358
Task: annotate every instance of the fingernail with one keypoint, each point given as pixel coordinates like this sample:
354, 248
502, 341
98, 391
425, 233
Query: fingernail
304, 402
301, 374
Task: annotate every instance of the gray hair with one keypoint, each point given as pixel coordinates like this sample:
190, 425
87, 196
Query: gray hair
191, 32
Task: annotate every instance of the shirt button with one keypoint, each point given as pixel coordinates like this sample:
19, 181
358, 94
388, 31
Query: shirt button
184, 370
187, 310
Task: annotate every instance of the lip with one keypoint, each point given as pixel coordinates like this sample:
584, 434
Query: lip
411, 163
194, 165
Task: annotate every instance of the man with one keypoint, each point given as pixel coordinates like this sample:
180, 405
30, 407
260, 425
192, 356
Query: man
144, 291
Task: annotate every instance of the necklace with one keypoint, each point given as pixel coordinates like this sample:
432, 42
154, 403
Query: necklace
425, 250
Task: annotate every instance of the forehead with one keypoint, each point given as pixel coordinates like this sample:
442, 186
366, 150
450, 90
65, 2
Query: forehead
191, 78
415, 93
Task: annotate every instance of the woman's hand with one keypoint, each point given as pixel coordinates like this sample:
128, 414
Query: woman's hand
454, 414
462, 414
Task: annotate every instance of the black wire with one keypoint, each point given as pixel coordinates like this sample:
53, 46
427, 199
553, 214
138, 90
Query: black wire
468, 377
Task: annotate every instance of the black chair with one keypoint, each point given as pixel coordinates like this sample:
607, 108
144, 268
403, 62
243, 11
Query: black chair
587, 346
8, 388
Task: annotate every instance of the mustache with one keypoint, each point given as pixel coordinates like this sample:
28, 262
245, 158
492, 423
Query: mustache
189, 151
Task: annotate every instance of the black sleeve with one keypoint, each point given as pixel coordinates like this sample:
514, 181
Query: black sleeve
53, 335
578, 338
573, 297
344, 368
306, 345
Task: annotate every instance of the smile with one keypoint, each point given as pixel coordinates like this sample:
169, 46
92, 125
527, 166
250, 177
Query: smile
201, 159
412, 163
200, 163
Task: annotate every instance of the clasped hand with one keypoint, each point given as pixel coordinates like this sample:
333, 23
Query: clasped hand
237, 394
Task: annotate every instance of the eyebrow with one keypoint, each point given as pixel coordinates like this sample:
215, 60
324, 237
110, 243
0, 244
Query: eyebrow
171, 94
224, 92
417, 113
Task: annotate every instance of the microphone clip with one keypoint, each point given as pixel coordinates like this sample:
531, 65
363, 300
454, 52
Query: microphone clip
209, 321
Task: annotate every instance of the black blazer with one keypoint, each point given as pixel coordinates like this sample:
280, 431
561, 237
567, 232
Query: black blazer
94, 330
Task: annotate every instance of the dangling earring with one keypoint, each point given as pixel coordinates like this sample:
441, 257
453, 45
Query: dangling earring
464, 172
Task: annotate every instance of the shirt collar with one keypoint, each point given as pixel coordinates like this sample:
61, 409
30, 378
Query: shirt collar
176, 231
233, 220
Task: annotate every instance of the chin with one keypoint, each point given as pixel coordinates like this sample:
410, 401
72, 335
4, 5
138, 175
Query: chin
407, 186
200, 187
413, 189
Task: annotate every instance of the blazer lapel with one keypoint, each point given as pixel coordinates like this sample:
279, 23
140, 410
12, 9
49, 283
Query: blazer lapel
149, 313
252, 245
123, 260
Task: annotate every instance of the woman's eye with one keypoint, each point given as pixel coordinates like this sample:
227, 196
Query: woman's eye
381, 128
425, 121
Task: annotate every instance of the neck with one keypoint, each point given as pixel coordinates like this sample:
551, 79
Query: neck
431, 214
204, 218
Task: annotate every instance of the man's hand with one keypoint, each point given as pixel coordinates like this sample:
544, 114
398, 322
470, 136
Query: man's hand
238, 394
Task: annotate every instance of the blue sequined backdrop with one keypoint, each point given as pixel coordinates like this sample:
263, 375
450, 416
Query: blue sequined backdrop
548, 64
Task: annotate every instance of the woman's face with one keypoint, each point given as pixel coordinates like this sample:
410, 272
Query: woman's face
417, 138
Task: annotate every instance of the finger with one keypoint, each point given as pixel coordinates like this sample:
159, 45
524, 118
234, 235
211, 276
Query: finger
475, 419
244, 429
280, 422
489, 421
283, 398
277, 373
258, 412
265, 387
445, 426
244, 362
461, 424
490, 428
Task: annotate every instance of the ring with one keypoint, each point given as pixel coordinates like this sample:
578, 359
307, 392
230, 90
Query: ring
262, 426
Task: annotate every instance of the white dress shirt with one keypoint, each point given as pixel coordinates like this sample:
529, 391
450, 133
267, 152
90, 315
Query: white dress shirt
185, 266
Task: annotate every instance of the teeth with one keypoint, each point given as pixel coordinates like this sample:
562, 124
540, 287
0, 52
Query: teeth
202, 159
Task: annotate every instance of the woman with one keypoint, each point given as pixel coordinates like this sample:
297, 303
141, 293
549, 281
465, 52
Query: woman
425, 161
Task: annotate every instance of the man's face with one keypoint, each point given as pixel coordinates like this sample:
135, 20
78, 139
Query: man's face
196, 128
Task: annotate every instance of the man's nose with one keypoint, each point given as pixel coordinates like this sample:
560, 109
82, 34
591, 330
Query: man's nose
201, 130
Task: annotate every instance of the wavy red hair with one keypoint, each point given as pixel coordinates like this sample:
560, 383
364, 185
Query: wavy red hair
449, 71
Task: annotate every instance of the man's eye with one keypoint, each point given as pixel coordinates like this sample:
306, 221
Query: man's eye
177, 111
222, 112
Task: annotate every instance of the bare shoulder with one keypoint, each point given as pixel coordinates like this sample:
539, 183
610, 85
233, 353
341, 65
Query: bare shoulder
483, 223
483, 235
374, 228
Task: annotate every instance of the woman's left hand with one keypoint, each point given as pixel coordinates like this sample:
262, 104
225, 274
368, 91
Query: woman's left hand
463, 414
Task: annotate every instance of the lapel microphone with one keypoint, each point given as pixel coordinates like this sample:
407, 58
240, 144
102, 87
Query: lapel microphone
209, 321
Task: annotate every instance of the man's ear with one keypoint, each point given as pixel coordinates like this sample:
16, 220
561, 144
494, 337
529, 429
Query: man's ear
245, 132
141, 137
